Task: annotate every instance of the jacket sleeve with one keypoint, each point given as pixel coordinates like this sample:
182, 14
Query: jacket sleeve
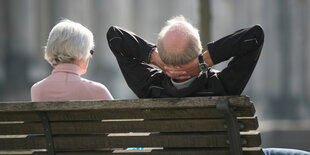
244, 46
133, 55
237, 44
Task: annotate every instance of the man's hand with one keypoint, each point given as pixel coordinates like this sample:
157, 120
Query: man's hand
155, 59
171, 71
180, 72
190, 69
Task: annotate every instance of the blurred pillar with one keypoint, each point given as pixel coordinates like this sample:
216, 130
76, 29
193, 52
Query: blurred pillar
3, 44
307, 56
205, 19
41, 18
287, 103
301, 39
21, 42
44, 21
304, 57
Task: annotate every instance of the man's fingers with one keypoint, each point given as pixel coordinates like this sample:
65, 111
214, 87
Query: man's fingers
177, 75
178, 72
172, 67
169, 74
169, 68
183, 77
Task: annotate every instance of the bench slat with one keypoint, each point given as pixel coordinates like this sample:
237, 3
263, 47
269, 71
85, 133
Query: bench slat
120, 126
19, 116
123, 114
125, 141
197, 125
153, 140
190, 102
198, 151
23, 152
247, 123
22, 142
202, 151
190, 125
141, 114
252, 151
18, 128
250, 139
135, 114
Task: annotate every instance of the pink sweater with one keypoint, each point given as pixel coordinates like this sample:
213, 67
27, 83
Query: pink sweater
66, 84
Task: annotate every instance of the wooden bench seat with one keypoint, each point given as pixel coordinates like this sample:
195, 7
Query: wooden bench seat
195, 125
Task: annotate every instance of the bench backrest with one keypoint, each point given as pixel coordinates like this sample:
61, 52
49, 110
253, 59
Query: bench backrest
196, 125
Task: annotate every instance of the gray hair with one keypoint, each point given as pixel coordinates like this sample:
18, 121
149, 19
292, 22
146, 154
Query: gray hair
68, 41
193, 48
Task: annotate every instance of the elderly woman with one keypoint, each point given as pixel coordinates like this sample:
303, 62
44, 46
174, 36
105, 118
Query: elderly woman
69, 48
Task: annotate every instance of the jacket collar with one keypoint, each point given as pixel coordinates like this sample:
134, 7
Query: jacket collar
68, 67
188, 91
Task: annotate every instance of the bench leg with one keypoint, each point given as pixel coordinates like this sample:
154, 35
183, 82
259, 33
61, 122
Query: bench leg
232, 126
47, 132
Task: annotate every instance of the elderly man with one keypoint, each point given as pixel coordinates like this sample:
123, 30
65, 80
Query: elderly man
184, 69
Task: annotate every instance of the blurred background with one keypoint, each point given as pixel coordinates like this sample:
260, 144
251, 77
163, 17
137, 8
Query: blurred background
279, 86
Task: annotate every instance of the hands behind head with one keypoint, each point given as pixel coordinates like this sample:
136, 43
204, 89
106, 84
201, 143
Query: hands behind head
183, 72
180, 72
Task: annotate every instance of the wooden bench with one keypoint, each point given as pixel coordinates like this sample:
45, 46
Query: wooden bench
195, 125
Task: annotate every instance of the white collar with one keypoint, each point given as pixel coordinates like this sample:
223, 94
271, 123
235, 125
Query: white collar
181, 85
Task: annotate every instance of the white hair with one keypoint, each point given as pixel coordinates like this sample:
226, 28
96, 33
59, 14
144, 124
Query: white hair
68, 41
190, 52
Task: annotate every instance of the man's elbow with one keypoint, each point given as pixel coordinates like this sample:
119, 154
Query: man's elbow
260, 35
112, 33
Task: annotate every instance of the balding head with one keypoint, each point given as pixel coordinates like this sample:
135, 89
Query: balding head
178, 42
175, 40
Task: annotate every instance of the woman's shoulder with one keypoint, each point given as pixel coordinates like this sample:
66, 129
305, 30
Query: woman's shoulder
38, 84
36, 89
98, 89
91, 83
